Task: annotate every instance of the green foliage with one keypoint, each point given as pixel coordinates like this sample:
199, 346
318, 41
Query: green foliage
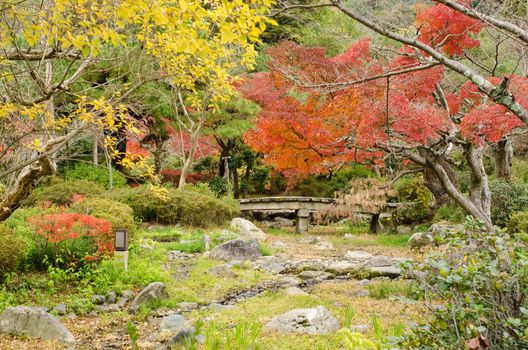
520, 170
163, 234
450, 212
518, 222
412, 189
507, 198
219, 186
481, 280
386, 289
341, 179
193, 245
244, 336
265, 250
97, 174
117, 213
133, 334
174, 206
14, 250
61, 192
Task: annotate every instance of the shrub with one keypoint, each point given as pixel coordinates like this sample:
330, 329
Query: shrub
72, 238
173, 206
412, 189
411, 214
518, 222
118, 214
219, 186
481, 280
507, 198
61, 192
13, 250
450, 212
340, 182
97, 174
520, 170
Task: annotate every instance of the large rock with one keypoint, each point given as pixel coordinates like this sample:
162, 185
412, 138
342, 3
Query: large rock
284, 221
420, 239
247, 229
34, 322
237, 249
152, 292
174, 329
304, 321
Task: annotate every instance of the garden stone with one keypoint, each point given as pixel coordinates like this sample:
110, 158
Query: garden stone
61, 309
324, 246
102, 308
358, 255
284, 221
31, 322
309, 240
317, 320
127, 294
271, 224
152, 292
218, 306
364, 282
384, 271
174, 329
187, 306
348, 236
315, 275
294, 291
222, 271
114, 307
236, 249
420, 239
98, 299
247, 229
342, 267
110, 297
378, 261
403, 229
360, 293
442, 228
287, 281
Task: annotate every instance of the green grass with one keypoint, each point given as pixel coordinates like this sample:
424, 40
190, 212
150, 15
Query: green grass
386, 289
163, 234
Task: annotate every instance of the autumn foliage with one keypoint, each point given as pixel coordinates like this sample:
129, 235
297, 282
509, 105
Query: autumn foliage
319, 112
65, 231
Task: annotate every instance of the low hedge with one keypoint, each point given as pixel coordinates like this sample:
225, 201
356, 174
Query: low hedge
175, 206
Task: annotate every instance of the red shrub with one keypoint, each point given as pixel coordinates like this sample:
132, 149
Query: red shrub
68, 227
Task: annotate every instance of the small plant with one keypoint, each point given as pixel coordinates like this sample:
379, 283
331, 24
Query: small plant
481, 279
350, 313
386, 289
265, 250
133, 334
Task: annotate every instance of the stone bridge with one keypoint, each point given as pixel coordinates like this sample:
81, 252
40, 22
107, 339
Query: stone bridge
303, 206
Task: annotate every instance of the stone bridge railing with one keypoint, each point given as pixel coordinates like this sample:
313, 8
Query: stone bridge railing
303, 206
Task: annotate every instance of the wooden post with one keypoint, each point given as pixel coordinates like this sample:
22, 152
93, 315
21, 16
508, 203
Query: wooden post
303, 220
375, 224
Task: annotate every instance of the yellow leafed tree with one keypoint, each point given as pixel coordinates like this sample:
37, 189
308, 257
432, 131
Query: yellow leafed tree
47, 47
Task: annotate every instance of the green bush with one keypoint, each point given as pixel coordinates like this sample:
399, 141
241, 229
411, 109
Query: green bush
219, 186
520, 170
518, 222
98, 174
481, 281
507, 198
341, 180
411, 214
61, 192
119, 214
174, 206
412, 189
13, 250
450, 212
21, 228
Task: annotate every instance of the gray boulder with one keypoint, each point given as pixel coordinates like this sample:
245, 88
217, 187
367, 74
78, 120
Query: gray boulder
317, 320
174, 329
236, 249
152, 292
358, 255
309, 240
403, 229
284, 221
33, 322
61, 309
420, 239
324, 246
247, 229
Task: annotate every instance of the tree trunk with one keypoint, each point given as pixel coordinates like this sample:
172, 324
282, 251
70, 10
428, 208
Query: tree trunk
480, 209
247, 176
189, 158
434, 185
503, 159
236, 187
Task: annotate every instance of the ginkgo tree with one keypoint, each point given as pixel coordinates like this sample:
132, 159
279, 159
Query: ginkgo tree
47, 47
365, 106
